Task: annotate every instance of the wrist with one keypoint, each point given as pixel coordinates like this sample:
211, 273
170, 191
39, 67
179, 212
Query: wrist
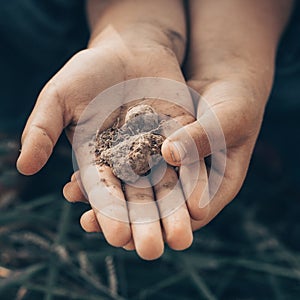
254, 77
138, 36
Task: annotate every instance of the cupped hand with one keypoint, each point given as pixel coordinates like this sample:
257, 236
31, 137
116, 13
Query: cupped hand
153, 208
229, 115
60, 106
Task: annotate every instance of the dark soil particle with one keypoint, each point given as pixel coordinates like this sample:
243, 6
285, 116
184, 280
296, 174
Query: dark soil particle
133, 149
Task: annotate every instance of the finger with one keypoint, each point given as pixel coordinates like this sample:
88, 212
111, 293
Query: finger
62, 101
130, 246
229, 182
186, 145
194, 181
108, 201
145, 222
173, 210
73, 193
42, 131
222, 122
197, 224
89, 222
76, 176
73, 190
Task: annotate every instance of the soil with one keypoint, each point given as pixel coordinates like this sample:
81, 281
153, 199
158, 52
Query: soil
134, 148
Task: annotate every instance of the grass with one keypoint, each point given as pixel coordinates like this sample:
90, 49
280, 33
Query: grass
250, 251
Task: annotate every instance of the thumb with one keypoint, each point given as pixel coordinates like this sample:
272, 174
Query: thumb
194, 141
52, 111
178, 148
41, 132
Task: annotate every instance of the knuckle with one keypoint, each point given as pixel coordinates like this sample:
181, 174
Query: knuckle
201, 138
55, 94
168, 183
54, 91
44, 133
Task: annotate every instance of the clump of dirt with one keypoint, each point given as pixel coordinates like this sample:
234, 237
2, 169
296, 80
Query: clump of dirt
133, 149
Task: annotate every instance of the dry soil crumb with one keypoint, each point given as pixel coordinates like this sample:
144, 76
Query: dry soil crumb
133, 149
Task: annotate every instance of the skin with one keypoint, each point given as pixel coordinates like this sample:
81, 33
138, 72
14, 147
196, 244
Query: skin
230, 62
128, 41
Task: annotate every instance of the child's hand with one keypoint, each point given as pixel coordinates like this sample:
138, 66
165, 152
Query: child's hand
156, 217
231, 64
139, 50
236, 89
61, 104
239, 115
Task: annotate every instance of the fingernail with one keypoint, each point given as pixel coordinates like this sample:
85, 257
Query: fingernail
178, 152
